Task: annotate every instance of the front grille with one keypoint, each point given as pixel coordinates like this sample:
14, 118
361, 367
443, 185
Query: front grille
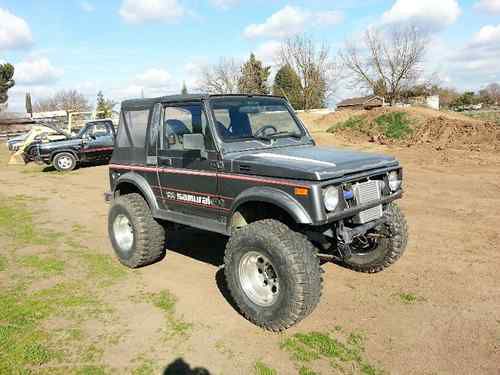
367, 192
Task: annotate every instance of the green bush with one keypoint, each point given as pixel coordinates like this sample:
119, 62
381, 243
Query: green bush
353, 122
395, 125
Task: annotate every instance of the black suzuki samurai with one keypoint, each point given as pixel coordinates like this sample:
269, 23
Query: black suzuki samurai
246, 167
93, 143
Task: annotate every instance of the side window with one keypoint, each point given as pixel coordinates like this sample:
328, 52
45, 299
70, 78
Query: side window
154, 130
132, 128
184, 119
99, 130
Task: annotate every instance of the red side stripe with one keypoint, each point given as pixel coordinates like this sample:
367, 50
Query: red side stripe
208, 174
98, 149
193, 192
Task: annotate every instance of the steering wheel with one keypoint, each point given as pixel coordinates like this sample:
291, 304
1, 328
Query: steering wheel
262, 130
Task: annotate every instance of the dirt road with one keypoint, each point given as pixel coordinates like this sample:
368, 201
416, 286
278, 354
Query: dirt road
436, 311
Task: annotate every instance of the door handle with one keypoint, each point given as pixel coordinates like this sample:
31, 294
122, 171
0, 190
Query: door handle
216, 164
163, 160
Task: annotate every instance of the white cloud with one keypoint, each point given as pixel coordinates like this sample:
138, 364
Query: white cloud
488, 34
87, 7
224, 4
139, 11
153, 78
14, 31
291, 21
490, 6
477, 61
267, 51
431, 15
36, 71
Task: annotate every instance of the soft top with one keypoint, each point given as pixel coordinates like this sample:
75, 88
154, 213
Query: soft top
149, 102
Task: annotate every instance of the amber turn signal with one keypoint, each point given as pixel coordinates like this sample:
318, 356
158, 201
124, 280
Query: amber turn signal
304, 192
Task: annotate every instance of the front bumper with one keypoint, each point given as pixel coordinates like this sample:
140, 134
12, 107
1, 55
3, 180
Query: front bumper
350, 212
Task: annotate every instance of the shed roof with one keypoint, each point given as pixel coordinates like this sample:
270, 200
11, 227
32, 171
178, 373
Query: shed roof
358, 101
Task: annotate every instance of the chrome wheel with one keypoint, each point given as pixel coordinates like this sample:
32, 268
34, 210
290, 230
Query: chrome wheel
64, 162
123, 232
259, 279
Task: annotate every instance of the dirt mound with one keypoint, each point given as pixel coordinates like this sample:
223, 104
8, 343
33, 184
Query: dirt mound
445, 132
441, 129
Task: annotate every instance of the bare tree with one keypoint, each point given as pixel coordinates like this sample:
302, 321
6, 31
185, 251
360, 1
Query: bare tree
70, 100
493, 90
312, 62
220, 78
388, 61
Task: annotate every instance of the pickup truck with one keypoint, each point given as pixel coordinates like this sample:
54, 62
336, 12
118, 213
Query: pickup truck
93, 143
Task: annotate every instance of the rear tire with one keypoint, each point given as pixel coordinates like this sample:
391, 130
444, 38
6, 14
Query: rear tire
389, 248
64, 162
137, 238
267, 250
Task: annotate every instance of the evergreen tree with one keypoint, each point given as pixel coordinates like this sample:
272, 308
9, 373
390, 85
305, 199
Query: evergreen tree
104, 107
287, 84
6, 81
254, 77
184, 90
29, 106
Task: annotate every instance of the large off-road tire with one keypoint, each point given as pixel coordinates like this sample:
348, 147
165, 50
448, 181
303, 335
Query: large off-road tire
273, 274
64, 162
390, 244
137, 238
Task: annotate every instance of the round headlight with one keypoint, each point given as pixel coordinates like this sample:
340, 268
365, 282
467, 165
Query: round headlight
394, 181
331, 198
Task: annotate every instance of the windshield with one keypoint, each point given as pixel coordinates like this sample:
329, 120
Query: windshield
255, 118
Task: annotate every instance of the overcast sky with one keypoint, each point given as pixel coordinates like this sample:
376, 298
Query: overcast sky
123, 47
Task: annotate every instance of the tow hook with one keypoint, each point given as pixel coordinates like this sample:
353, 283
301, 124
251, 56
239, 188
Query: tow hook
345, 235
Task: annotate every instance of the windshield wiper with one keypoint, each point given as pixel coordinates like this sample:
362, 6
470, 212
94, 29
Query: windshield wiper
285, 134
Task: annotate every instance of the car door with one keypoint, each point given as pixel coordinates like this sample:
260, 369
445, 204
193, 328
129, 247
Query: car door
98, 141
188, 178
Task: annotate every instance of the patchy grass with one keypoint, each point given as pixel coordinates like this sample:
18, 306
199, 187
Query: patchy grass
307, 371
16, 223
44, 265
102, 267
394, 125
22, 343
3, 263
165, 301
146, 368
353, 122
25, 346
263, 369
342, 355
492, 116
410, 298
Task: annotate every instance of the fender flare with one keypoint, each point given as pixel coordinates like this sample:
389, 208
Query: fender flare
276, 197
141, 184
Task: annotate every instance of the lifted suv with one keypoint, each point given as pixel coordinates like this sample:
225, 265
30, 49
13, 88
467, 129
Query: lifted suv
246, 167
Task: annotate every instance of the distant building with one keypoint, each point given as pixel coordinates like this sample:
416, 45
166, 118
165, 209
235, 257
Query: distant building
11, 123
431, 101
364, 102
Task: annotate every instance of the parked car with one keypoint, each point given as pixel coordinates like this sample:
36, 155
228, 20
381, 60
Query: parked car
92, 144
246, 167
14, 142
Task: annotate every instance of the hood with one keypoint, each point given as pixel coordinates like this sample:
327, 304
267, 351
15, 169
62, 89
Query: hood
61, 143
307, 162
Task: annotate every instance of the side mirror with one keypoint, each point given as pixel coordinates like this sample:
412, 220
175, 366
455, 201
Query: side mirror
92, 136
195, 142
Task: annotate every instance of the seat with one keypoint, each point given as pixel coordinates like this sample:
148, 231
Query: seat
176, 127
